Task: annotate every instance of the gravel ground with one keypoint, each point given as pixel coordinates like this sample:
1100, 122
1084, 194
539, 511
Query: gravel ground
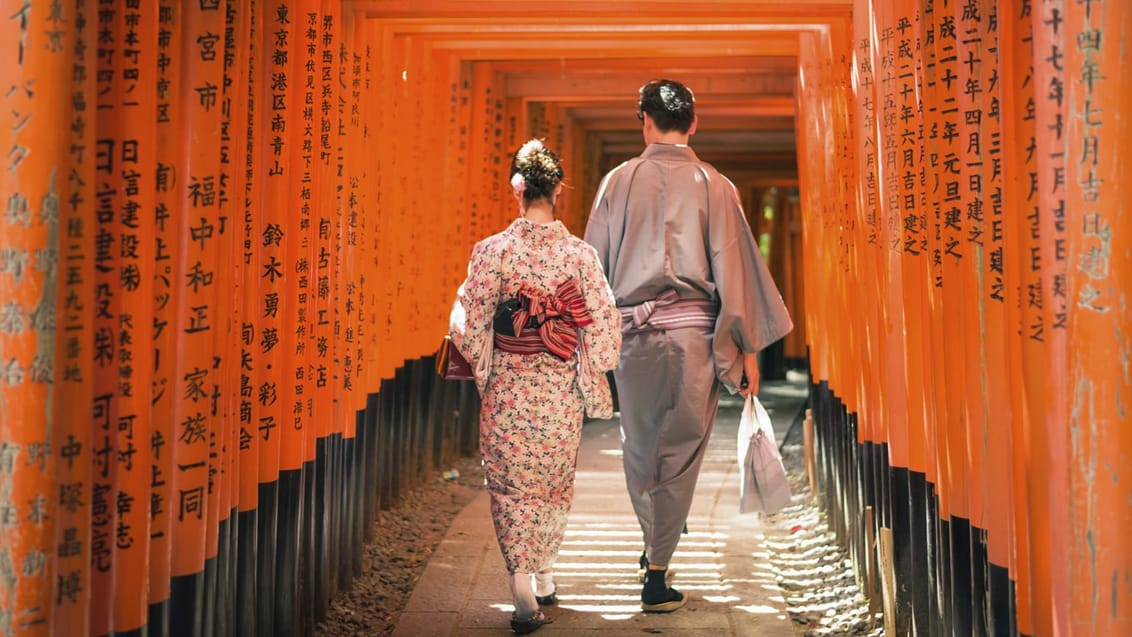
815, 573
405, 538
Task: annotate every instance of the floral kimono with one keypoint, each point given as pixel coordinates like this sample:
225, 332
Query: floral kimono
532, 404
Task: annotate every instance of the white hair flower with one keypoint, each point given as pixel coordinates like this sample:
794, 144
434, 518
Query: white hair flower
519, 183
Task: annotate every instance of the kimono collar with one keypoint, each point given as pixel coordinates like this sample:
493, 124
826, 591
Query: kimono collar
527, 230
658, 150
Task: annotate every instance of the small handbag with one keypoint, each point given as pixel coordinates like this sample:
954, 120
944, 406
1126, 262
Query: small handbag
450, 363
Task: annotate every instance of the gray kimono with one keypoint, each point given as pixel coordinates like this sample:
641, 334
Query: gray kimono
667, 221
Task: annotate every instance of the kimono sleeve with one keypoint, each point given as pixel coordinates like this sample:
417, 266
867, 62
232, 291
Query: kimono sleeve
476, 300
598, 232
752, 314
603, 336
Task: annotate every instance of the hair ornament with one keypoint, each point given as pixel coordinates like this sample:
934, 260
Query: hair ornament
519, 183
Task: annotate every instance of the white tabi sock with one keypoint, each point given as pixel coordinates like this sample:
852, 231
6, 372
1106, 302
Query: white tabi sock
544, 583
524, 596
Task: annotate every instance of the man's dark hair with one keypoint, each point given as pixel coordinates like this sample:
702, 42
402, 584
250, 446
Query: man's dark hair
669, 103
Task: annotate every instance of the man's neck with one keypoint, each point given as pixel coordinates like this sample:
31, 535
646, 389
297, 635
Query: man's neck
671, 137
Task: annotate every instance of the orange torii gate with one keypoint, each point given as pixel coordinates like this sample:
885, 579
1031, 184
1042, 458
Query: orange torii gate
233, 228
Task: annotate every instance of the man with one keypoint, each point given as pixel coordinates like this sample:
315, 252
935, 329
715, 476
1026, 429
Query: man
697, 304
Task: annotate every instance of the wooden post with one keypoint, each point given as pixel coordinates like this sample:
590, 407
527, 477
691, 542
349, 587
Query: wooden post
808, 447
873, 587
888, 581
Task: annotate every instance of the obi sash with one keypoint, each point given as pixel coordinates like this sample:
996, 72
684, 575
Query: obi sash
556, 318
667, 312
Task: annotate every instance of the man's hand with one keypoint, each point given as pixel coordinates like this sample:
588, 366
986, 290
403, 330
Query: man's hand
750, 375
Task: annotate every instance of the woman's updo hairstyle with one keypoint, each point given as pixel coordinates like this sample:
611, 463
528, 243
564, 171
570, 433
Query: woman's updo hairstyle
535, 171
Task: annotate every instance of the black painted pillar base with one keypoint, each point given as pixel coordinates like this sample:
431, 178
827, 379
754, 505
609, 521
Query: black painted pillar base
247, 553
186, 605
158, 620
265, 565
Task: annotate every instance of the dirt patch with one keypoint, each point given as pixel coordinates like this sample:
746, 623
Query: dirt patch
405, 537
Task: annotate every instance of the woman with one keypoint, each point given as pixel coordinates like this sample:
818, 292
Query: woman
540, 294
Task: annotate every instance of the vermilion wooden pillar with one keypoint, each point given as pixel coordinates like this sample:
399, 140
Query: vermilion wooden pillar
73, 369
1047, 307
36, 233
166, 282
1019, 200
1098, 99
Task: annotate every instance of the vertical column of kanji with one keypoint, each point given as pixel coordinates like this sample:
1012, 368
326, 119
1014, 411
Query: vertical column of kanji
136, 183
195, 457
951, 284
842, 196
345, 294
74, 360
1097, 65
108, 150
170, 155
499, 156
357, 174
897, 151
1046, 392
873, 282
846, 379
328, 326
295, 383
862, 243
456, 179
970, 231
451, 264
248, 311
933, 95
478, 209
995, 375
450, 268
351, 403
558, 135
295, 483
368, 377
229, 282
914, 603
1019, 198
385, 184
39, 55
891, 430
371, 123
329, 345
125, 153
277, 286
335, 32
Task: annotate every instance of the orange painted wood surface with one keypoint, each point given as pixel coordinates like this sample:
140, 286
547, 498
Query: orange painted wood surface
281, 197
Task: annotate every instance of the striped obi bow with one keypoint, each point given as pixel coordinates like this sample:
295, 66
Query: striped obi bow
558, 316
668, 311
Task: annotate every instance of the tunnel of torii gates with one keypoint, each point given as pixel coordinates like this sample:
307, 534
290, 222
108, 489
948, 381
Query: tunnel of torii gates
232, 231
